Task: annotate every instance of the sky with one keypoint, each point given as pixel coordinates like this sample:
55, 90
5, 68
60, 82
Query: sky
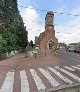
67, 27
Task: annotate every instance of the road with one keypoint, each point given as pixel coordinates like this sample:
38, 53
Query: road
20, 74
69, 55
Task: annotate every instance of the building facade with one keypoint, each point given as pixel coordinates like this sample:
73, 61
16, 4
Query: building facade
47, 38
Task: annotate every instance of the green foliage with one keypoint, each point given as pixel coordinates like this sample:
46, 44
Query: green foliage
22, 39
3, 49
0, 39
14, 34
31, 45
9, 41
62, 45
54, 47
78, 47
9, 37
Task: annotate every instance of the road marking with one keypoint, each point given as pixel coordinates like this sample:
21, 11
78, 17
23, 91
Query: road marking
37, 80
8, 83
69, 68
76, 67
24, 82
60, 75
49, 77
70, 74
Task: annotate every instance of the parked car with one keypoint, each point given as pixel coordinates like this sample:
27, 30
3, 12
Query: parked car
67, 48
77, 50
71, 48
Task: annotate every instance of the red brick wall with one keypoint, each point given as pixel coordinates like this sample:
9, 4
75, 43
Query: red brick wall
49, 34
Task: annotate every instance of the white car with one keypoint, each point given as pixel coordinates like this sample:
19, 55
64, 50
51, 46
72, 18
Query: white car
71, 48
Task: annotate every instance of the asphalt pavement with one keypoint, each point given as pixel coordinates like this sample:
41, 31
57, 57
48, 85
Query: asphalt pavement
72, 56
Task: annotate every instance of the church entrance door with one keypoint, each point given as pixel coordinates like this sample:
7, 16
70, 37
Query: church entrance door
51, 44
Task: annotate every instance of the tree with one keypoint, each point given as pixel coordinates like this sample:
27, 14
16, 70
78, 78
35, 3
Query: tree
78, 47
31, 45
9, 40
62, 45
21, 35
0, 39
15, 34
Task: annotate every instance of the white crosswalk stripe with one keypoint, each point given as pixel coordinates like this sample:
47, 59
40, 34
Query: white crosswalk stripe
37, 80
8, 83
70, 74
76, 67
71, 69
24, 82
49, 77
61, 76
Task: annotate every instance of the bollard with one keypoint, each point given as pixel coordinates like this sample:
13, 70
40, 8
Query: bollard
45, 55
35, 55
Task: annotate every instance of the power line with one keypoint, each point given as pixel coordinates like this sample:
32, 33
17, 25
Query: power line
72, 26
53, 12
64, 25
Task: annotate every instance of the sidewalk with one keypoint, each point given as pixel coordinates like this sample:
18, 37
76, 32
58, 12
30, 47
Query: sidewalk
42, 60
20, 61
38, 73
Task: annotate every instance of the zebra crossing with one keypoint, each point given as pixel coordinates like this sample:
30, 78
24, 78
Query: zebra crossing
46, 73
8, 83
24, 82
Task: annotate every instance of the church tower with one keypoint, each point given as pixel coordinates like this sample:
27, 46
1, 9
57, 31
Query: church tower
47, 39
49, 19
49, 29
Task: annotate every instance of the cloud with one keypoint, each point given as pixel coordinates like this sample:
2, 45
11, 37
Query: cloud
71, 32
68, 37
76, 10
65, 34
32, 22
60, 10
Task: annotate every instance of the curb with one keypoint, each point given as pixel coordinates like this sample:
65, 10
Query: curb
75, 87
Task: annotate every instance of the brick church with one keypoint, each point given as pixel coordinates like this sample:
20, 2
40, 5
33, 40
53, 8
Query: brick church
47, 38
